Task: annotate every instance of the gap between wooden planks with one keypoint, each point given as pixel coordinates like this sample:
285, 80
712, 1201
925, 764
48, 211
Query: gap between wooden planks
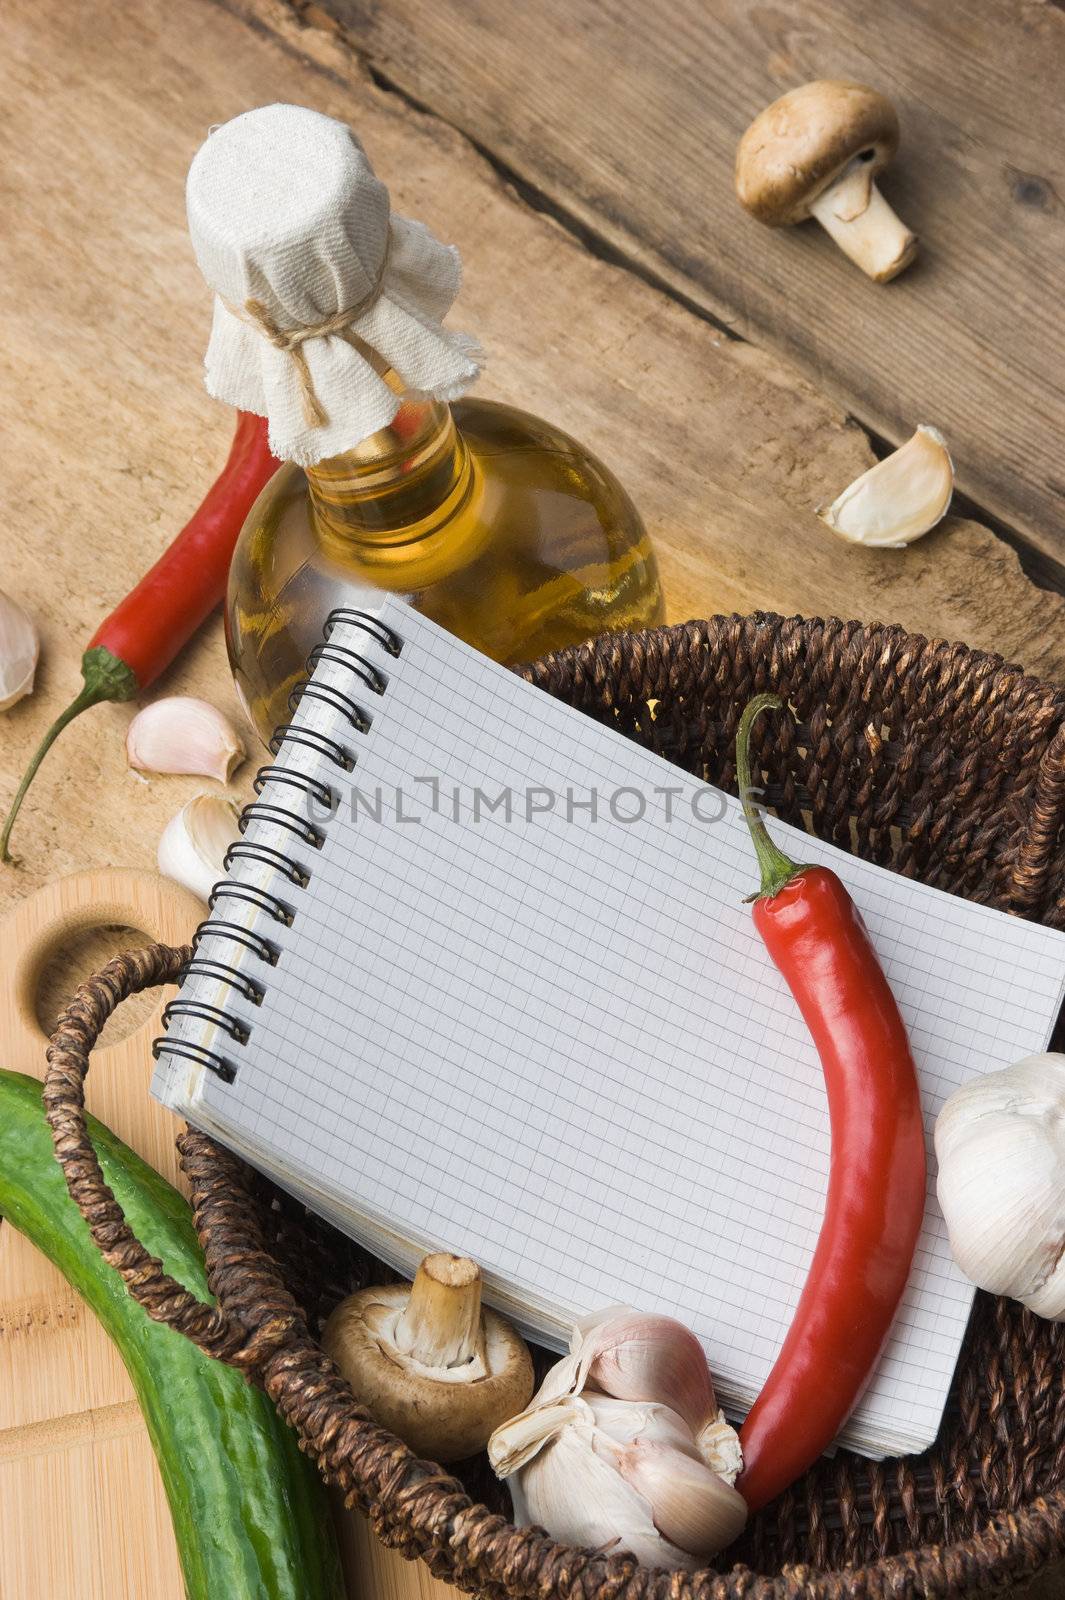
625, 116
111, 438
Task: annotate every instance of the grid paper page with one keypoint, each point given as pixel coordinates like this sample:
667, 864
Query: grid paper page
555, 1042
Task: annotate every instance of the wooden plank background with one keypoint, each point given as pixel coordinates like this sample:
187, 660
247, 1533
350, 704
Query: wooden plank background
726, 446
110, 438
626, 117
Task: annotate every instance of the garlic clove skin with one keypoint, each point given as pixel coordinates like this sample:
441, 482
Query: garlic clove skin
521, 1438
625, 1421
194, 842
19, 651
180, 734
1000, 1143
641, 1357
581, 1499
719, 1445
691, 1506
900, 498
633, 1355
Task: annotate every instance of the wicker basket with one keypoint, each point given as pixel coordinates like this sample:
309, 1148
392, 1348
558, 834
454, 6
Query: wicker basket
946, 765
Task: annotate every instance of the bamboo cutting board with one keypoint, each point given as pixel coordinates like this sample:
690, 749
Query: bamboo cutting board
81, 1496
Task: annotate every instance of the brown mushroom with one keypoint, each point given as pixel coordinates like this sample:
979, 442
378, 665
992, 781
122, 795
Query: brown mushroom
428, 1362
816, 152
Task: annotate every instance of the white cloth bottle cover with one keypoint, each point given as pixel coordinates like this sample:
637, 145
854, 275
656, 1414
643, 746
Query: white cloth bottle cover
313, 272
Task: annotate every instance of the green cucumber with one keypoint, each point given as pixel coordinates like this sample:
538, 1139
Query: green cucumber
250, 1513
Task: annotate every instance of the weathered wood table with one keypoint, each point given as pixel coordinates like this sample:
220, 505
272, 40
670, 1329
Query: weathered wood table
581, 155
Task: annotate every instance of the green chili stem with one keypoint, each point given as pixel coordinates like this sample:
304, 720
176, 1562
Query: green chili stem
106, 678
776, 868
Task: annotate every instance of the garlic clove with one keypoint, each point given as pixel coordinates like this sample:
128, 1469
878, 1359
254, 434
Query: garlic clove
19, 650
900, 498
1007, 1251
582, 1499
193, 843
180, 734
642, 1357
638, 1356
691, 1505
625, 1421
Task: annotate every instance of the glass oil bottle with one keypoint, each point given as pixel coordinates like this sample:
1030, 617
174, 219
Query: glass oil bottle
493, 523
328, 318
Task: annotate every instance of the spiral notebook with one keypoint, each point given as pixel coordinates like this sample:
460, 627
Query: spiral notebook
481, 978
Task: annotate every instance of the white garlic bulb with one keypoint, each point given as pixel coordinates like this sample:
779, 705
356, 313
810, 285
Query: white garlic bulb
1000, 1141
194, 842
182, 734
19, 648
627, 1469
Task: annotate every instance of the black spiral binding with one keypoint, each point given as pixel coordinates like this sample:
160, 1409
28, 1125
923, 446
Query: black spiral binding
260, 811
218, 928
326, 797
338, 754
229, 889
254, 942
239, 1031
354, 714
369, 624
292, 870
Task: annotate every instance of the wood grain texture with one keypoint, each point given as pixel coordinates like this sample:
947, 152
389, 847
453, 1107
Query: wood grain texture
627, 115
376, 1573
87, 1521
110, 440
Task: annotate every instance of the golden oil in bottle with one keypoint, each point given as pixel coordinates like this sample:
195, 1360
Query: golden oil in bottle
492, 522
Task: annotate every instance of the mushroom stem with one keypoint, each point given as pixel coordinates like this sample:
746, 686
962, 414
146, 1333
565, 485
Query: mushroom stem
441, 1323
864, 226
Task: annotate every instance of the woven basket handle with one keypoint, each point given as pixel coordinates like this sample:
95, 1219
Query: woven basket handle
76, 1032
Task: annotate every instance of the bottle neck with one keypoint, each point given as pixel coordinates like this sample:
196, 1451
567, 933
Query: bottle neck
398, 485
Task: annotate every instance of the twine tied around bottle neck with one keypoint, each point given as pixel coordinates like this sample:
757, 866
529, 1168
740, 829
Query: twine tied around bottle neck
292, 340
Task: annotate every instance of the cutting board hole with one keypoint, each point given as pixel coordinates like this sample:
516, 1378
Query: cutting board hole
77, 958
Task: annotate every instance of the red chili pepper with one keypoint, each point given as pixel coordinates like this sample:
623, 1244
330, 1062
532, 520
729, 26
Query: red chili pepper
876, 1187
147, 629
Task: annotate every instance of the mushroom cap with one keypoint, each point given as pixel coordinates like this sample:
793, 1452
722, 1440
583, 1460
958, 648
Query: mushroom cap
433, 1410
798, 145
